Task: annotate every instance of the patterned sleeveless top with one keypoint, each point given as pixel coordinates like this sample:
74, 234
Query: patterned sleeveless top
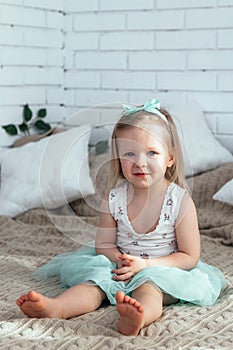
159, 242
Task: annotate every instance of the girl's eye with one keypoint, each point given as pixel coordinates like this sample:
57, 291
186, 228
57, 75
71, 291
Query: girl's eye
129, 154
151, 153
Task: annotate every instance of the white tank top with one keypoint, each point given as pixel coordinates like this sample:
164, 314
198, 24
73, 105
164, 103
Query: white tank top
159, 242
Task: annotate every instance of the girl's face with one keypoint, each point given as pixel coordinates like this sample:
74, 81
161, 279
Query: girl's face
144, 157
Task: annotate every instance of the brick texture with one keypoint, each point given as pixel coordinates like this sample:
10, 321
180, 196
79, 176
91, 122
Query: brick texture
66, 55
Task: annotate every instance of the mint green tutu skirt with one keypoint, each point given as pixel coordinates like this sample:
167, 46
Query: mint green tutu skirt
200, 285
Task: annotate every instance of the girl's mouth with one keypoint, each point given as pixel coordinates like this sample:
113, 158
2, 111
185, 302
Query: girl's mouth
140, 174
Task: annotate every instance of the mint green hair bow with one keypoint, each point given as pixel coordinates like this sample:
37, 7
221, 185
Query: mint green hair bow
152, 106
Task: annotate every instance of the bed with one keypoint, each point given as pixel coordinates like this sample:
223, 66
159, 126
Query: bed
33, 237
30, 235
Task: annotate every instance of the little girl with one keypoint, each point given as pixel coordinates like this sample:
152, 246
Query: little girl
147, 246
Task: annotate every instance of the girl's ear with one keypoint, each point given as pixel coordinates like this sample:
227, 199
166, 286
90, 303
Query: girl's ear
171, 160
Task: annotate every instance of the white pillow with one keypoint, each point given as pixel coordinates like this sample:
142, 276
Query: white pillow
225, 194
47, 173
202, 152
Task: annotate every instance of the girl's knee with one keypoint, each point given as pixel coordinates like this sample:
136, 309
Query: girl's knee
94, 292
149, 288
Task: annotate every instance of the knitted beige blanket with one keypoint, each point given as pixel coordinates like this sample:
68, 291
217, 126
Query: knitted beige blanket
35, 237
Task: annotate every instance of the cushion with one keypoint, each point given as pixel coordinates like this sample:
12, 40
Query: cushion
202, 152
225, 194
215, 218
47, 173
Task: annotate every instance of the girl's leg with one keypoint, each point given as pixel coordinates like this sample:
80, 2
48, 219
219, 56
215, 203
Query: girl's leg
140, 310
75, 301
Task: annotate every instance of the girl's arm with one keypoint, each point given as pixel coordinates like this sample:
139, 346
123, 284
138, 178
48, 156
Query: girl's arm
188, 240
105, 242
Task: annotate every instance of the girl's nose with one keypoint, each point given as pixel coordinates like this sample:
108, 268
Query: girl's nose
141, 160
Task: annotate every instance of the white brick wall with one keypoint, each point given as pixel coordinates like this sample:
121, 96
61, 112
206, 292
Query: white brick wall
31, 59
67, 54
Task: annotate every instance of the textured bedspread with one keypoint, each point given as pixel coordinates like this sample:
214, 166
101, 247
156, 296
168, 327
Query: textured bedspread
35, 237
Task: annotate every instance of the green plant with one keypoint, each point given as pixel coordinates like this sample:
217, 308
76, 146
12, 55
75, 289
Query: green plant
29, 122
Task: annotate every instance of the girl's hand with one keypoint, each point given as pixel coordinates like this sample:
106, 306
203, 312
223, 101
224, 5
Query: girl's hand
122, 262
128, 266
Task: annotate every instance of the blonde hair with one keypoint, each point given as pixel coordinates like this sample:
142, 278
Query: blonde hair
143, 119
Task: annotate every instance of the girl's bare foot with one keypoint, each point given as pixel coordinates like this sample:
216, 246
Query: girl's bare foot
36, 305
131, 314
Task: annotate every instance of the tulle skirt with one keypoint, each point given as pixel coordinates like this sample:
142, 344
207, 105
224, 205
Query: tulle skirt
200, 285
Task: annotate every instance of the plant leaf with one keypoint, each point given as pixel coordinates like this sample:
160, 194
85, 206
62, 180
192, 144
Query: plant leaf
27, 113
23, 127
10, 129
41, 125
41, 113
